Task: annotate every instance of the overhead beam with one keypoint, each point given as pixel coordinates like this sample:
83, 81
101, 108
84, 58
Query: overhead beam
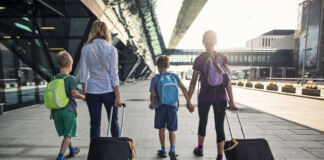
107, 15
188, 13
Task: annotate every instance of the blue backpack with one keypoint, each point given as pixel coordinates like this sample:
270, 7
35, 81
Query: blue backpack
167, 89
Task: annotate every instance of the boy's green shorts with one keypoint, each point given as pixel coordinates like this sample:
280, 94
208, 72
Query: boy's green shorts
65, 123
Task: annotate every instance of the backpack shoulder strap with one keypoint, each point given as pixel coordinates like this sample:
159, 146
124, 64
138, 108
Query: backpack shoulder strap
223, 57
66, 77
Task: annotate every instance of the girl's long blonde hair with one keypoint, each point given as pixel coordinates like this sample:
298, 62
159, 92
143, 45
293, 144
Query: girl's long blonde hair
100, 30
209, 41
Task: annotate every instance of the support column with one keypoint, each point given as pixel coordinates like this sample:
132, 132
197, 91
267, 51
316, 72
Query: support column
258, 70
271, 73
254, 73
284, 72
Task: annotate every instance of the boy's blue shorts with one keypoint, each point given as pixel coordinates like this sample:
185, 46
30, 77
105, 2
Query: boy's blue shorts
166, 116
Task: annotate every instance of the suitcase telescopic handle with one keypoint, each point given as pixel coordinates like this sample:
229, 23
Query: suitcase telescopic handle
238, 117
229, 126
122, 122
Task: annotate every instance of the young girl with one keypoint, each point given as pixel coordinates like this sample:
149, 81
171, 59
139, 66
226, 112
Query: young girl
209, 96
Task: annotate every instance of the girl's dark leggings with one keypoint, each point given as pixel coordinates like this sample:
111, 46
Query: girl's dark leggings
219, 116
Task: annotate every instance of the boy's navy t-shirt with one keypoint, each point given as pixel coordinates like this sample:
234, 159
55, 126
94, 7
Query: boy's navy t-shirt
154, 85
69, 84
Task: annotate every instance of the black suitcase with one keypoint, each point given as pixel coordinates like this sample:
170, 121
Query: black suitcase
112, 148
246, 149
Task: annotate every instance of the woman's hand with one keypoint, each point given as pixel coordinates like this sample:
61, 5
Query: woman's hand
118, 102
82, 97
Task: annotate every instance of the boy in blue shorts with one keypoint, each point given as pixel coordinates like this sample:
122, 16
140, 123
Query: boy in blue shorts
164, 99
65, 118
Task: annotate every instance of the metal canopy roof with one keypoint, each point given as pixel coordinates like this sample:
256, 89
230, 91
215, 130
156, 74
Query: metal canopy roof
188, 13
151, 27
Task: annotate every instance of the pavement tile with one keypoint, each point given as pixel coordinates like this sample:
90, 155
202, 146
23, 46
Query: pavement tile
291, 153
306, 131
301, 137
317, 152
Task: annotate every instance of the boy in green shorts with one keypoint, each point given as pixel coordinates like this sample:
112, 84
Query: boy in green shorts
65, 118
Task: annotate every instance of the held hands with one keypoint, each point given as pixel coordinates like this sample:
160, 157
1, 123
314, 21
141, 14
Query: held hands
83, 93
151, 106
190, 107
83, 97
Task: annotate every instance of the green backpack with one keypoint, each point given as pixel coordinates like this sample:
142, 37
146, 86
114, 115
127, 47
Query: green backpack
55, 95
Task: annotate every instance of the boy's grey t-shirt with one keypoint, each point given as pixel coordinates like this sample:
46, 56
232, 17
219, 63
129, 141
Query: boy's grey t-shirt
154, 85
69, 84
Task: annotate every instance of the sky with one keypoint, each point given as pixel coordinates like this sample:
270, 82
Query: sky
234, 21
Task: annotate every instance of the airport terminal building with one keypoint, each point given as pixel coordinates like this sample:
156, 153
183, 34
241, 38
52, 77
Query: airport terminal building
32, 32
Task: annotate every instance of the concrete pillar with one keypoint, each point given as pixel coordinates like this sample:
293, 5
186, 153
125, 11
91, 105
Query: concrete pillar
1, 108
284, 72
258, 70
254, 74
245, 74
271, 73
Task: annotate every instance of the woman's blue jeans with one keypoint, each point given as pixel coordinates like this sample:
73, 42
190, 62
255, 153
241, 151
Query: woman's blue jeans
94, 102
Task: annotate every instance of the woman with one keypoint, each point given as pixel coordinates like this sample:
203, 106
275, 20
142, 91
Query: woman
99, 59
209, 95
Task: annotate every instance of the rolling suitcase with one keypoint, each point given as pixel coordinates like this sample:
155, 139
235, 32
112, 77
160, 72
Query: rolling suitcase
112, 148
246, 149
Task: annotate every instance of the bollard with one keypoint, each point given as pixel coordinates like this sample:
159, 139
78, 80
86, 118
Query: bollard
1, 108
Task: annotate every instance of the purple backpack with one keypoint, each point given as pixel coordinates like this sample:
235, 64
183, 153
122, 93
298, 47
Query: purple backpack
212, 76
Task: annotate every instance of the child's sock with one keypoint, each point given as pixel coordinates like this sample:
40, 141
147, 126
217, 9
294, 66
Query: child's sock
200, 147
172, 148
61, 156
72, 149
163, 149
219, 157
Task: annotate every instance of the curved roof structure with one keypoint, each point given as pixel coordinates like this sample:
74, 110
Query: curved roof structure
188, 13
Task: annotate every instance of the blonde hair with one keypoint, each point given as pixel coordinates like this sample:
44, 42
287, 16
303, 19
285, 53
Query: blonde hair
100, 30
64, 59
209, 38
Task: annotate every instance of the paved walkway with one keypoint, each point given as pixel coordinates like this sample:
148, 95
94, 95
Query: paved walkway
305, 111
29, 134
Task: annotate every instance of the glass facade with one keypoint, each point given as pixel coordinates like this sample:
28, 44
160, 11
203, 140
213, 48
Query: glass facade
280, 58
312, 48
33, 32
151, 27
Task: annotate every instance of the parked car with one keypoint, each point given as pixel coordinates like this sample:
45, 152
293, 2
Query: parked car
233, 77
